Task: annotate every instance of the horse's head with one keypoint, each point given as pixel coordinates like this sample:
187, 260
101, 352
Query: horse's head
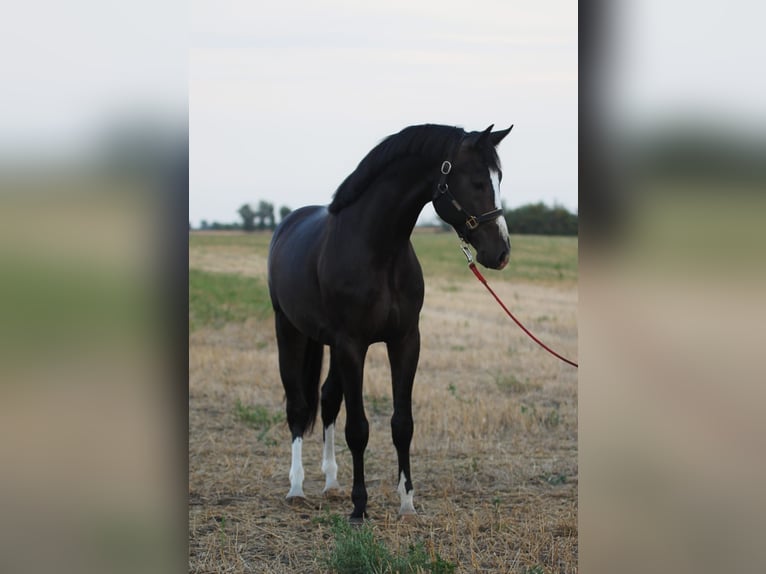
467, 197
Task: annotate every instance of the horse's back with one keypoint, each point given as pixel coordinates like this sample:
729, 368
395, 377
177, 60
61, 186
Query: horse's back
299, 225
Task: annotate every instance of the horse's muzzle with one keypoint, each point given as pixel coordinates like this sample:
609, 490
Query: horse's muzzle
496, 260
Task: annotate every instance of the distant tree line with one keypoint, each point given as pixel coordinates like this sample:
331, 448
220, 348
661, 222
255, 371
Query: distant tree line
260, 218
539, 219
532, 219
689, 149
218, 226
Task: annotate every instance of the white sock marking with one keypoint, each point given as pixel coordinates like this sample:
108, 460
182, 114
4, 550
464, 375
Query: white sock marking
406, 507
296, 470
329, 466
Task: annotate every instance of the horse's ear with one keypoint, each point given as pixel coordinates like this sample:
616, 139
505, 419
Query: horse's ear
477, 139
497, 137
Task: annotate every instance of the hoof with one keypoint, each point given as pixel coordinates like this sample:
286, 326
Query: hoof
409, 517
298, 503
332, 492
357, 522
296, 499
296, 491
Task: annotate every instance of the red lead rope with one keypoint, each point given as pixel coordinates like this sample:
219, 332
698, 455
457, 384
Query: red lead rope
480, 277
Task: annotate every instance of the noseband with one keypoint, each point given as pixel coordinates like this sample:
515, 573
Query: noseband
443, 198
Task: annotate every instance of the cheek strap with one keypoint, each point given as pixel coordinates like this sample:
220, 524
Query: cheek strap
450, 210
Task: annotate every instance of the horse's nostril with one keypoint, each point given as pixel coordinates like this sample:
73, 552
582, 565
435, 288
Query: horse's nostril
503, 259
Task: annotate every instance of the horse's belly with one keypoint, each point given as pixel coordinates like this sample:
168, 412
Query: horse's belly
379, 318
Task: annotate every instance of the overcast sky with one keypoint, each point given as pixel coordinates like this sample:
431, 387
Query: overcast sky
285, 100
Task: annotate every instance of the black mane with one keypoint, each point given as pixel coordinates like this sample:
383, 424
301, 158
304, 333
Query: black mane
428, 140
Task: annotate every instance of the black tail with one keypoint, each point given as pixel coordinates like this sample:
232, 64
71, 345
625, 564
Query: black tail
312, 369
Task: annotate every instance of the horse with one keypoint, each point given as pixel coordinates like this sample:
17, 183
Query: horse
346, 276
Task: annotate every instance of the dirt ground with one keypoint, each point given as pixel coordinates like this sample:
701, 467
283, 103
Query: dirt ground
494, 455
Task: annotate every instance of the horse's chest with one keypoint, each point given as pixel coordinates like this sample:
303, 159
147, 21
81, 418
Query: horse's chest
396, 308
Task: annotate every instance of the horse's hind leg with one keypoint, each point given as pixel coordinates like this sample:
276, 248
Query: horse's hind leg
300, 363
332, 396
403, 357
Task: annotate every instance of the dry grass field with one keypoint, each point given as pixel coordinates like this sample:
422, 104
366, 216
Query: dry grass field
494, 455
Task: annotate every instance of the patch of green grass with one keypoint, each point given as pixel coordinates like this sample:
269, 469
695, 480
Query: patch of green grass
534, 258
219, 298
259, 240
259, 418
49, 306
357, 550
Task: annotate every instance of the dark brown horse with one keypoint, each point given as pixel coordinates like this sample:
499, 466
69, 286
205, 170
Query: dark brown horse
347, 276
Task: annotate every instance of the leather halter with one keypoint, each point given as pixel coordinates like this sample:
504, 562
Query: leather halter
443, 198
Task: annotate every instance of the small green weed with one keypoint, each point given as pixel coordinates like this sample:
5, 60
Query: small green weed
219, 298
259, 418
552, 419
555, 479
453, 391
549, 419
357, 550
221, 529
510, 384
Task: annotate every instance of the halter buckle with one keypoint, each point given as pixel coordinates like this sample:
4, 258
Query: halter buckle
446, 167
472, 223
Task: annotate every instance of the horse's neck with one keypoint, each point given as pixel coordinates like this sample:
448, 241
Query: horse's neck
386, 214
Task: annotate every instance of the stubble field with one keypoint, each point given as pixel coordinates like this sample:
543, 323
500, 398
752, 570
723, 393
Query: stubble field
494, 454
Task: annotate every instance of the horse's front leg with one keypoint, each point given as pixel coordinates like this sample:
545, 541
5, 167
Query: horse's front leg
332, 396
403, 356
350, 365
